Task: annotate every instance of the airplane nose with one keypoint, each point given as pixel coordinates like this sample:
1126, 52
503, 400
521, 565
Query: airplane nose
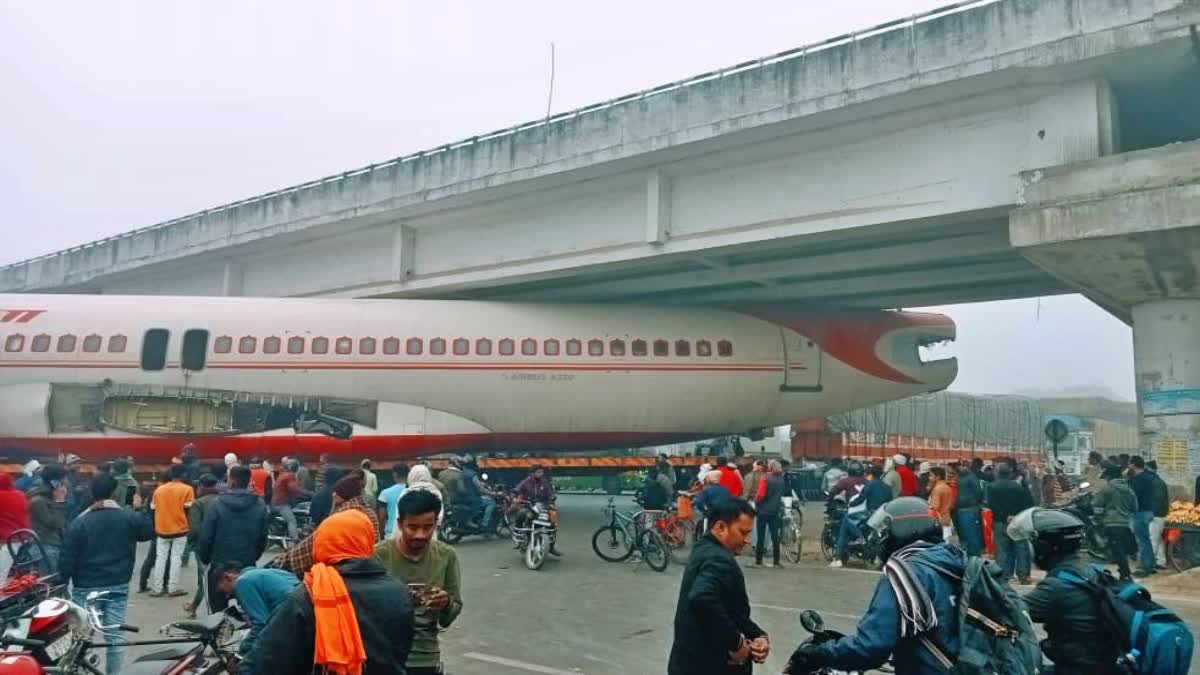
883, 344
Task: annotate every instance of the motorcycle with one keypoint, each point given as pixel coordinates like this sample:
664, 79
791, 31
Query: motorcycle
277, 527
1080, 506
456, 524
535, 539
815, 625
56, 636
864, 548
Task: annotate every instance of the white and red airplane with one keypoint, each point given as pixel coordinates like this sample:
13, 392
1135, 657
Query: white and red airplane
105, 376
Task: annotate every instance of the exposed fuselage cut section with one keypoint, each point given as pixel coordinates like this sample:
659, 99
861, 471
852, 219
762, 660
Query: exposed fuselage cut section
106, 376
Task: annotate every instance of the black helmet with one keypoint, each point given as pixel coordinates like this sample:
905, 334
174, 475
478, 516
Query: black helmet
1054, 534
904, 521
469, 460
854, 468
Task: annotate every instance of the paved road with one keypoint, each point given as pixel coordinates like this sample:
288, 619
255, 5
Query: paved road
583, 615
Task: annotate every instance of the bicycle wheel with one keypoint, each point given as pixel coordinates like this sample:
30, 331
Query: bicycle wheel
1184, 552
654, 551
680, 537
792, 543
612, 544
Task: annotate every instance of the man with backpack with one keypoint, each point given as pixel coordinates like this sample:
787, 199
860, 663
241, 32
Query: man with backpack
1095, 624
916, 615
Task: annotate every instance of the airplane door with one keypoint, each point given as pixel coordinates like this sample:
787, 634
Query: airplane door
802, 363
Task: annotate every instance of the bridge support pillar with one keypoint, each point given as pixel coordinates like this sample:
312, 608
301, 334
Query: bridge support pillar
1166, 352
1125, 231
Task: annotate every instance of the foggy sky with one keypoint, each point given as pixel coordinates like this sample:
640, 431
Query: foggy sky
117, 115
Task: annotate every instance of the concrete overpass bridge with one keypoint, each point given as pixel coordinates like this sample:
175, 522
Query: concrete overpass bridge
984, 151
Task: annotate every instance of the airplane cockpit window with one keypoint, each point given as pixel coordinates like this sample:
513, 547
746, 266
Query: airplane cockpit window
483, 347
40, 343
683, 348
703, 348
391, 346
154, 349
462, 346
66, 343
223, 345
437, 346
247, 345
724, 348
296, 345
639, 347
574, 348
596, 348
662, 348
116, 344
320, 345
550, 347
615, 347
344, 345
195, 349
14, 343
529, 347
507, 347
366, 345
271, 345
91, 343
414, 346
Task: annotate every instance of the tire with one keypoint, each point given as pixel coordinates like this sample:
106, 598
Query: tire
828, 542
654, 551
450, 534
535, 552
1184, 553
680, 539
792, 544
612, 544
503, 527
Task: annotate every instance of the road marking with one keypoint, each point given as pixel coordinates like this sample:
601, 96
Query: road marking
797, 610
519, 665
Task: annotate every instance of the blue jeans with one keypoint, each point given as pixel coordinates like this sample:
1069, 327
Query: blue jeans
1140, 522
1013, 556
850, 530
489, 511
112, 613
970, 530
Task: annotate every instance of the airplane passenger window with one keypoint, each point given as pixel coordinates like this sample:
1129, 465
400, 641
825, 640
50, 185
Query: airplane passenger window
616, 347
116, 344
344, 345
195, 349
296, 345
550, 347
529, 347
483, 347
462, 347
91, 343
154, 349
271, 345
595, 348
320, 345
507, 347
40, 343
724, 348
366, 345
574, 348
661, 348
414, 346
703, 348
223, 345
391, 345
66, 343
247, 345
639, 347
683, 348
437, 346
14, 343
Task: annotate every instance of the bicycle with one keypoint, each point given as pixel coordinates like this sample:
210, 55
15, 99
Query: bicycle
626, 533
678, 530
791, 540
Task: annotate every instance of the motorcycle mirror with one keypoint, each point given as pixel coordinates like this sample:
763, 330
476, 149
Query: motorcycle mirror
812, 621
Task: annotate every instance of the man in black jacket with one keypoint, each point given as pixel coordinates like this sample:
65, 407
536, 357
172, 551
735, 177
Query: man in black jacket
968, 520
98, 555
378, 605
1162, 504
768, 497
1006, 497
713, 631
234, 529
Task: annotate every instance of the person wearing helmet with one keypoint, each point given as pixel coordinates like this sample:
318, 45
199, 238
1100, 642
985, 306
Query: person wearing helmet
918, 576
848, 486
485, 498
873, 494
1068, 611
288, 493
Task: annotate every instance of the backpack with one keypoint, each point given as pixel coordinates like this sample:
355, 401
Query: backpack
995, 634
1155, 640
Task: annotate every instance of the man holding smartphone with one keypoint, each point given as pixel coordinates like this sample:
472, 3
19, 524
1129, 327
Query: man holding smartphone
430, 568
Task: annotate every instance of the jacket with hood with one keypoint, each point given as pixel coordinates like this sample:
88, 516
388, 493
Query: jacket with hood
381, 606
47, 517
1075, 639
878, 634
234, 529
1119, 503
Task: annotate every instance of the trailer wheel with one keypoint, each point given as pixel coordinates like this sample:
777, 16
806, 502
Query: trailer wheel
611, 484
